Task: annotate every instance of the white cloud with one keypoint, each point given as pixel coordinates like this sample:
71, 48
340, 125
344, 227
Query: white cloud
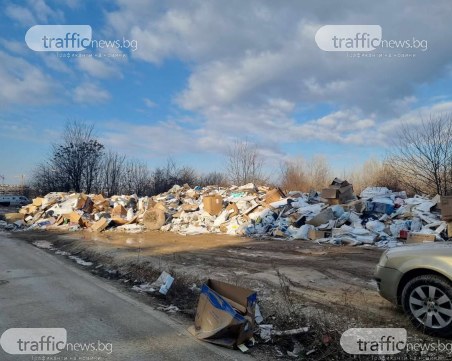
254, 68
44, 12
24, 83
33, 12
17, 47
98, 68
149, 103
349, 128
416, 115
20, 14
244, 53
149, 141
57, 64
89, 93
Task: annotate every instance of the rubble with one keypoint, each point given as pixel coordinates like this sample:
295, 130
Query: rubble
337, 216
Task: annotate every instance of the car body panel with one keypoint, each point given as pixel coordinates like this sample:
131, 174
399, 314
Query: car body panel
397, 262
386, 279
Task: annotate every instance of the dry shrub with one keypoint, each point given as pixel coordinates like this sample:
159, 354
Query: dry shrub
305, 175
373, 173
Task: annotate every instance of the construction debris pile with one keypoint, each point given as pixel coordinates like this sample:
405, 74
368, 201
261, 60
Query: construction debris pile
335, 215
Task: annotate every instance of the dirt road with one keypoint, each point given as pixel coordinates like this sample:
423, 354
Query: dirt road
325, 275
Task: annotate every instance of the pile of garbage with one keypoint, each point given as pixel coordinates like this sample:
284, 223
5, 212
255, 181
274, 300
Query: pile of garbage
334, 215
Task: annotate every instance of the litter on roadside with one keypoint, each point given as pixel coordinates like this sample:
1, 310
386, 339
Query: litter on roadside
225, 314
162, 284
335, 215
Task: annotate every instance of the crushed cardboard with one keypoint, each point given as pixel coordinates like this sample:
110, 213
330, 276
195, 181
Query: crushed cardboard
225, 314
380, 216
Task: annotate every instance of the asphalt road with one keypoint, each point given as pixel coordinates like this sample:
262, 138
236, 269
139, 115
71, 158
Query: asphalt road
40, 290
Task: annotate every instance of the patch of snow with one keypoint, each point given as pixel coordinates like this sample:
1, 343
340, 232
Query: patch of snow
43, 244
81, 261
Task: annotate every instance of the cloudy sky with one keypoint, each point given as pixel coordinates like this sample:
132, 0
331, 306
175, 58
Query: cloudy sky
207, 72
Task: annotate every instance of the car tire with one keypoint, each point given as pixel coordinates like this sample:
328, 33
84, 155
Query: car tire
427, 300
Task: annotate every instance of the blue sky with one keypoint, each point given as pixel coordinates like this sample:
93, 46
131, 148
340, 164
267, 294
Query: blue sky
208, 72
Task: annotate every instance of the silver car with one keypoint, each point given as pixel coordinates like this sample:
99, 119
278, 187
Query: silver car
419, 279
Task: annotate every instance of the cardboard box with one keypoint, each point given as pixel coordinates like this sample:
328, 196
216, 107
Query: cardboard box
346, 193
100, 203
32, 209
357, 206
321, 218
379, 207
274, 195
100, 225
446, 208
74, 217
449, 229
334, 201
213, 204
415, 237
340, 191
81, 200
190, 207
233, 210
88, 206
118, 211
118, 221
225, 314
23, 210
296, 220
314, 234
154, 219
59, 221
13, 217
329, 193
38, 201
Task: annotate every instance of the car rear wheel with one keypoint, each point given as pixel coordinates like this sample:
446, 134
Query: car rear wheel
427, 300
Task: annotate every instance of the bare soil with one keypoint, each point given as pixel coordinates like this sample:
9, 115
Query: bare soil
299, 283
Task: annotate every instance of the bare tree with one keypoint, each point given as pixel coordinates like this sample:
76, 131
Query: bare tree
74, 163
213, 178
163, 178
136, 178
78, 157
46, 179
186, 175
422, 155
373, 173
244, 163
112, 172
